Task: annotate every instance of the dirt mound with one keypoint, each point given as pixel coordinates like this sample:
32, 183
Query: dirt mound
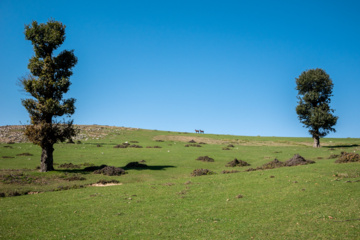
227, 171
273, 164
24, 154
348, 157
205, 159
135, 146
193, 145
75, 178
94, 168
69, 166
237, 163
110, 171
103, 181
297, 160
201, 172
135, 165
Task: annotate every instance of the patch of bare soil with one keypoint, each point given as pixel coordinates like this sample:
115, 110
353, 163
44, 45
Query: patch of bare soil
348, 157
229, 142
237, 163
186, 139
106, 183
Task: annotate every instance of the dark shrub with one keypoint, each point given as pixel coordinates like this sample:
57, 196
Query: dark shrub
159, 140
226, 148
6, 157
134, 141
192, 141
201, 172
230, 145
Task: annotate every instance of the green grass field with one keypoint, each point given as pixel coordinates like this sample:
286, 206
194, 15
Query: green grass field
163, 200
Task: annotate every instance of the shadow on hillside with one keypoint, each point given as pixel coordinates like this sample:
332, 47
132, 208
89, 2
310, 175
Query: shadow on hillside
155, 168
88, 170
343, 146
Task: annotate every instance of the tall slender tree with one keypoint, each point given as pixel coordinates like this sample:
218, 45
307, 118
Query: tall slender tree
314, 91
47, 82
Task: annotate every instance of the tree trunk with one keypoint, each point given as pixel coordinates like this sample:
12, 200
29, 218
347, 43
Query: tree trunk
316, 142
47, 159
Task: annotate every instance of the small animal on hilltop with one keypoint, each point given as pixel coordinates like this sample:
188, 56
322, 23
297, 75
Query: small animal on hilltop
197, 131
201, 131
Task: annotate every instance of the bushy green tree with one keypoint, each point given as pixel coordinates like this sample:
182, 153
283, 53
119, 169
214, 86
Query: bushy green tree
47, 83
314, 91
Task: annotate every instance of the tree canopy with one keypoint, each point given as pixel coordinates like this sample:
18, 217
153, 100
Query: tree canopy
48, 81
314, 91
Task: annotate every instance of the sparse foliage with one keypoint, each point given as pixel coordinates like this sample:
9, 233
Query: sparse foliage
47, 82
314, 91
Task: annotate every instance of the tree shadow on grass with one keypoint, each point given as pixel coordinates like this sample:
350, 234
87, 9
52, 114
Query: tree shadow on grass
91, 169
343, 146
155, 168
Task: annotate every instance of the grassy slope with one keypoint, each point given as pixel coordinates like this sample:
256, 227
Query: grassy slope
304, 202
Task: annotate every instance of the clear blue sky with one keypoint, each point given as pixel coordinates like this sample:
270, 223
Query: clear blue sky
227, 67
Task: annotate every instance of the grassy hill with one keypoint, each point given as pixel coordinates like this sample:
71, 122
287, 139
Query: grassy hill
160, 199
